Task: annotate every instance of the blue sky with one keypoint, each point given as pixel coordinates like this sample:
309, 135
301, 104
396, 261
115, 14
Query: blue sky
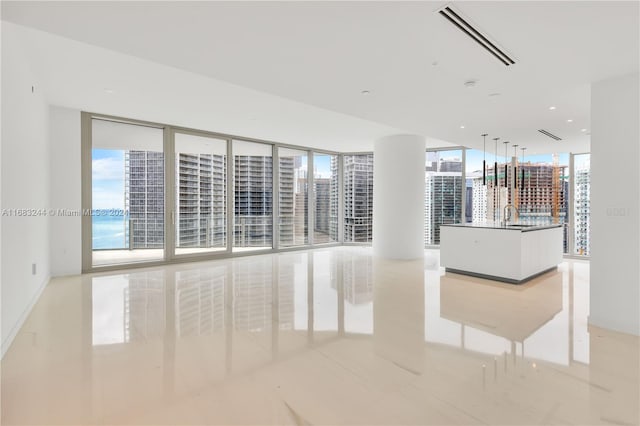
108, 179
322, 165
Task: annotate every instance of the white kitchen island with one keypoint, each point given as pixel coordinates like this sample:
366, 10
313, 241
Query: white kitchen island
512, 253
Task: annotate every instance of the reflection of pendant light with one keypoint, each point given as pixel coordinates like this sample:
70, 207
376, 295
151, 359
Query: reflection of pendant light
495, 164
484, 161
515, 168
506, 175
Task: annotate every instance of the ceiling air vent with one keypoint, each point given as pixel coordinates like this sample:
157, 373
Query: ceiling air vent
551, 135
476, 35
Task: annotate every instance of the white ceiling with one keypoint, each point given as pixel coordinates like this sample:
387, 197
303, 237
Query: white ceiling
75, 75
323, 54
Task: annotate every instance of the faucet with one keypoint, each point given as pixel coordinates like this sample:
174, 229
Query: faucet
507, 213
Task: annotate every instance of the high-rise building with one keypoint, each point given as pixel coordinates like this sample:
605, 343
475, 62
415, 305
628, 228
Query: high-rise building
358, 198
200, 195
443, 192
201, 200
334, 201
144, 198
253, 196
543, 194
289, 201
582, 210
468, 205
479, 200
537, 196
453, 164
542, 197
322, 228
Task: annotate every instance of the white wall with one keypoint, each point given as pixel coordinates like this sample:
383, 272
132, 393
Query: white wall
615, 218
25, 185
65, 186
1, 139
398, 197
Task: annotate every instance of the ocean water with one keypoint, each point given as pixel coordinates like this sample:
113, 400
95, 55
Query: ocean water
109, 232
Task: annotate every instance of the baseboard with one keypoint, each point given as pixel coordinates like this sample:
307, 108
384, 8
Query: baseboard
6, 343
623, 328
65, 273
501, 279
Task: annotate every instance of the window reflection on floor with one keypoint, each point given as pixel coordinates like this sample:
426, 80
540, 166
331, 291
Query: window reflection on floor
326, 293
323, 333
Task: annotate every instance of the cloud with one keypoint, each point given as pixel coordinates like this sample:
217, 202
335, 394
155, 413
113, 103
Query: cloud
108, 179
108, 194
107, 169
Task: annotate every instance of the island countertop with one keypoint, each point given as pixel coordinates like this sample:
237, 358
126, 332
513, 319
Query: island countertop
488, 250
521, 227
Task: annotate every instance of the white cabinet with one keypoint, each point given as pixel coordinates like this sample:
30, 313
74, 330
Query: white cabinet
501, 253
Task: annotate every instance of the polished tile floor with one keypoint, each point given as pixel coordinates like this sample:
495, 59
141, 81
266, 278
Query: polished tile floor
332, 336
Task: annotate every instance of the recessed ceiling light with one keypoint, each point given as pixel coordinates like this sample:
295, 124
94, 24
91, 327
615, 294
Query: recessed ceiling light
493, 95
462, 127
365, 92
109, 91
552, 108
569, 121
583, 130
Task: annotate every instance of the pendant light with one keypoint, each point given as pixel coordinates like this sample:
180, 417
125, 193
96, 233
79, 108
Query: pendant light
515, 168
506, 175
484, 158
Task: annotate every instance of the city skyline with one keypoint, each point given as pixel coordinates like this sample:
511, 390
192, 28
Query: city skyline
444, 190
107, 170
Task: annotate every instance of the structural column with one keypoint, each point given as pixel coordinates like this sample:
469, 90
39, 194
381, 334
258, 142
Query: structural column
615, 205
398, 197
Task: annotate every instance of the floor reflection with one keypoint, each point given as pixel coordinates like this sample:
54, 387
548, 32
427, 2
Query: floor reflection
320, 295
326, 336
500, 318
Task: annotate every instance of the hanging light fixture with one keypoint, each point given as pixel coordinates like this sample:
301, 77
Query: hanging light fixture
484, 158
515, 168
506, 175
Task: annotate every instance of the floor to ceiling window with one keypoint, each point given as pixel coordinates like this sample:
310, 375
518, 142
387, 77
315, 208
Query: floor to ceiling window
443, 192
325, 192
475, 189
293, 186
218, 206
218, 195
127, 193
358, 198
201, 193
543, 196
253, 195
